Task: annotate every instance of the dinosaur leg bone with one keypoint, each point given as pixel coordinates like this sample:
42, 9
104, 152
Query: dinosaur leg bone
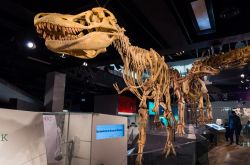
181, 124
209, 109
201, 118
169, 147
143, 118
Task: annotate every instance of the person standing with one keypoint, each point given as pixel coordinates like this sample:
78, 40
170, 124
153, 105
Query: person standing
235, 127
226, 126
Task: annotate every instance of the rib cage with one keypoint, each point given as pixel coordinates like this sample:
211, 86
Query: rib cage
138, 61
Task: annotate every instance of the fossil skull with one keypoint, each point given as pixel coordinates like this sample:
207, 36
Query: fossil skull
84, 35
199, 67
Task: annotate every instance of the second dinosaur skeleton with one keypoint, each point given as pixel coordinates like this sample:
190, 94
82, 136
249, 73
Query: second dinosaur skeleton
89, 33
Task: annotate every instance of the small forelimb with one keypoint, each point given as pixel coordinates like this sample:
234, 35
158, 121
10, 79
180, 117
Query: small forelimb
118, 90
132, 89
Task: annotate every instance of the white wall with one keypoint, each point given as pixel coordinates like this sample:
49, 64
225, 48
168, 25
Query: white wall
25, 138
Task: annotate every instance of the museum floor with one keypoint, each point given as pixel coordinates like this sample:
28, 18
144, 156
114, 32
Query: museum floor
194, 150
229, 155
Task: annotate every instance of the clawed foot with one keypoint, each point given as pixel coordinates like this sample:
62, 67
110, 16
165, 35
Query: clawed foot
201, 121
139, 159
167, 150
180, 130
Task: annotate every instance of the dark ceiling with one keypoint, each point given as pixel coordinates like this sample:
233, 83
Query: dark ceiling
165, 25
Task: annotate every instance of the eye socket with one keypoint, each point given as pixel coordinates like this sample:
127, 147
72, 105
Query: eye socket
81, 20
64, 18
106, 14
41, 15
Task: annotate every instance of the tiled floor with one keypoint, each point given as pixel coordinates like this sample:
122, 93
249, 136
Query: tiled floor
229, 155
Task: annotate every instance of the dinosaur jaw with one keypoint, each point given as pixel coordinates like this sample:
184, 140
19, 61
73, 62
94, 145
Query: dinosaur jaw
86, 46
79, 42
84, 35
209, 70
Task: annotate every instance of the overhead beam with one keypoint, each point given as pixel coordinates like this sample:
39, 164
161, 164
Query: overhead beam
205, 44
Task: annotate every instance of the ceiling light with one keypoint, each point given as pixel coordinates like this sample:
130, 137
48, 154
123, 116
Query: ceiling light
242, 75
201, 14
31, 45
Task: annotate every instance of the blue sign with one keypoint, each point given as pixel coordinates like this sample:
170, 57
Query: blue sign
109, 131
216, 127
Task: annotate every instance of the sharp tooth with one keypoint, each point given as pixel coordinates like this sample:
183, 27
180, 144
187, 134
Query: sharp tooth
53, 37
69, 30
63, 30
55, 27
44, 35
48, 26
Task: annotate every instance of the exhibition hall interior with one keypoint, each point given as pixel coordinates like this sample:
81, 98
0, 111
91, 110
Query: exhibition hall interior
125, 82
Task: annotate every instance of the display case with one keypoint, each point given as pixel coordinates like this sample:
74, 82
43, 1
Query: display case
62, 138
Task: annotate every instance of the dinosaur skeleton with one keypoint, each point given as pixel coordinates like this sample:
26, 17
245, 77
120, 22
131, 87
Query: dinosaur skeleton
89, 33
137, 62
192, 89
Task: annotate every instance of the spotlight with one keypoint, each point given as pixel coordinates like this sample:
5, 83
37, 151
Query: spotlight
242, 75
31, 45
84, 64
